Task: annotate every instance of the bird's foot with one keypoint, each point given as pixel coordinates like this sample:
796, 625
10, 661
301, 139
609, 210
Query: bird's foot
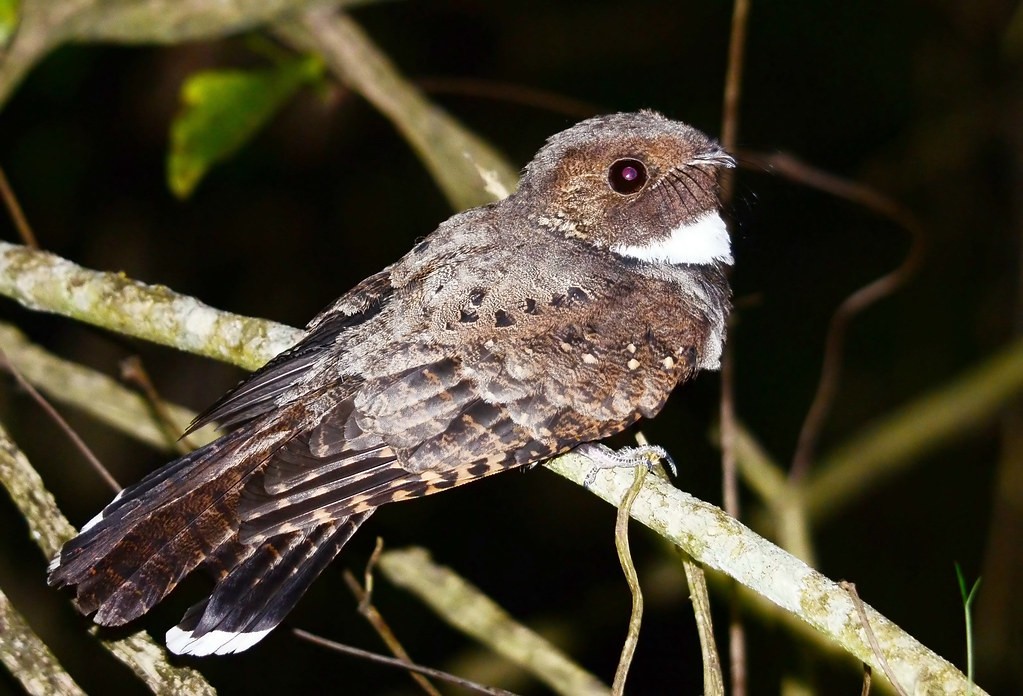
603, 457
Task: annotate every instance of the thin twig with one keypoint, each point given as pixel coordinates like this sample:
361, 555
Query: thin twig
632, 578
400, 664
467, 609
61, 423
733, 85
713, 680
134, 372
363, 593
371, 564
831, 368
867, 673
871, 638
16, 213
730, 477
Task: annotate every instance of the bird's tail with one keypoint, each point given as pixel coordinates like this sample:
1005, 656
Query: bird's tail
153, 534
259, 584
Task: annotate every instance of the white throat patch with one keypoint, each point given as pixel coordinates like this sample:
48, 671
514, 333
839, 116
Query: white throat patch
701, 242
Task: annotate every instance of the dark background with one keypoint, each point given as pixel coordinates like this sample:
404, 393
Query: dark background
921, 100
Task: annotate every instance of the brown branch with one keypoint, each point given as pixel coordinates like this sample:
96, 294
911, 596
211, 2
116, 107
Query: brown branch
632, 578
871, 637
363, 594
134, 372
16, 213
713, 680
730, 477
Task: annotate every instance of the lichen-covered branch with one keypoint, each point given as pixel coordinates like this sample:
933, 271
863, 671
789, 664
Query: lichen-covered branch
718, 541
45, 282
50, 529
466, 608
28, 659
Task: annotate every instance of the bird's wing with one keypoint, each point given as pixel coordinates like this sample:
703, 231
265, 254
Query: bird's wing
522, 381
263, 390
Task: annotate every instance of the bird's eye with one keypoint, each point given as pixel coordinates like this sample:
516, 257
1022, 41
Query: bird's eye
627, 176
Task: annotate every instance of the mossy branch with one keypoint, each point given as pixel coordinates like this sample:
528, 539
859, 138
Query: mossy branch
45, 282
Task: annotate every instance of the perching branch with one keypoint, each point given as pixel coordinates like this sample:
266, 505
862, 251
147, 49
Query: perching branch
702, 530
718, 541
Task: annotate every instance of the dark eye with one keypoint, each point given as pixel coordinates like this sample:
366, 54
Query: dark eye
627, 176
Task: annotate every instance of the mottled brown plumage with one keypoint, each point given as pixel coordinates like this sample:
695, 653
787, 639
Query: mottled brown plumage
513, 333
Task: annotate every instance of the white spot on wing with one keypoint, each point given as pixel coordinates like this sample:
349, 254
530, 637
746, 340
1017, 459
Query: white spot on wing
182, 642
701, 242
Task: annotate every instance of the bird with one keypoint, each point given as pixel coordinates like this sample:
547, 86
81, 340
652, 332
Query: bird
513, 333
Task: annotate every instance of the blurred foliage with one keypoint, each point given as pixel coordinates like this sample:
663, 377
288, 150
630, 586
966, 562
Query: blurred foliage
223, 109
919, 99
8, 20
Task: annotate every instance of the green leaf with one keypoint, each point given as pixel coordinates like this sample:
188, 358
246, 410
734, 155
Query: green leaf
8, 20
223, 109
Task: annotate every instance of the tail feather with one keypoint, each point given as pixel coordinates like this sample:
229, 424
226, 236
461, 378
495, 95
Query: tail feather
150, 537
259, 585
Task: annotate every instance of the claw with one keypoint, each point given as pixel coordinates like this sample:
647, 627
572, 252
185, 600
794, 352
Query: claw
604, 457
